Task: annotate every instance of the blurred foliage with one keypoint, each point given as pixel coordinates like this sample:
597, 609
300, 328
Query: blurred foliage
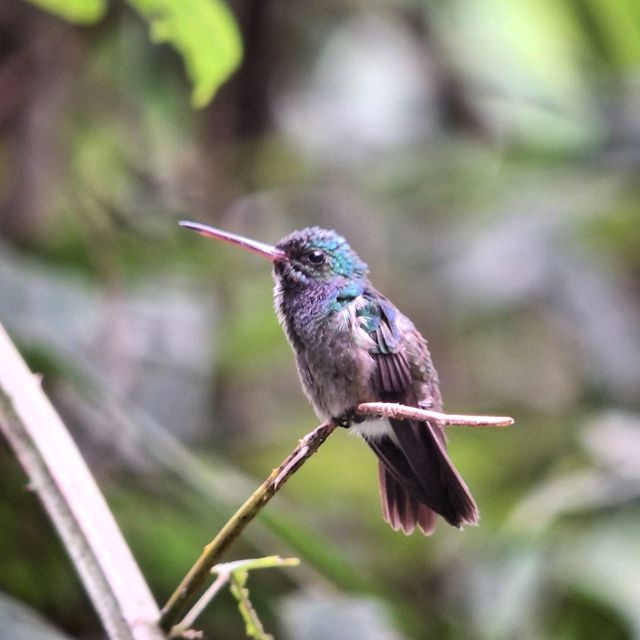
206, 35
482, 157
80, 11
204, 32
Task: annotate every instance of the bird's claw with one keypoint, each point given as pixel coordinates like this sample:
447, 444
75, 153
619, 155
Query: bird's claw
346, 419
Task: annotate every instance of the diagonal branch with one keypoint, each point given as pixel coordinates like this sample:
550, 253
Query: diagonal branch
199, 573
74, 503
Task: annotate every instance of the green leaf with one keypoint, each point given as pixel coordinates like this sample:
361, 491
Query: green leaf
206, 35
78, 11
618, 29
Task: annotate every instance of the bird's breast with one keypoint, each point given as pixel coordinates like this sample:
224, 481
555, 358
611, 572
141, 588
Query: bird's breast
335, 363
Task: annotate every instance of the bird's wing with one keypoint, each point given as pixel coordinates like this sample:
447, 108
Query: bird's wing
416, 458
392, 371
403, 364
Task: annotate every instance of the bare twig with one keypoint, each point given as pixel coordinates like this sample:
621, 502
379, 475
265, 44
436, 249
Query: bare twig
192, 615
74, 503
392, 410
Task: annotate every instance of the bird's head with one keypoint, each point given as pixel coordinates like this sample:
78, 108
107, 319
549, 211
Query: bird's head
300, 258
317, 255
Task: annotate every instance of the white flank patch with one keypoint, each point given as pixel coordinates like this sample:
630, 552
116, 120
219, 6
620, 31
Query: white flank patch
374, 429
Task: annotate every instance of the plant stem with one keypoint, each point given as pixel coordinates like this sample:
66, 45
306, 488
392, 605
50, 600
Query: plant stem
192, 615
74, 503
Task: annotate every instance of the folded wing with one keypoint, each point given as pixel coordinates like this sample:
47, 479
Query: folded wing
417, 477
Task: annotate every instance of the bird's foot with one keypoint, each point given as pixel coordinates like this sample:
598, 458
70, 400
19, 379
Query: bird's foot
348, 418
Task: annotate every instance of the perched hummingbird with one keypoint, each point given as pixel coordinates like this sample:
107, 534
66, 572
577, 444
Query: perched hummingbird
352, 345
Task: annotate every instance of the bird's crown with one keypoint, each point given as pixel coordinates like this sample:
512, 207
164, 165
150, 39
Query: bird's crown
319, 254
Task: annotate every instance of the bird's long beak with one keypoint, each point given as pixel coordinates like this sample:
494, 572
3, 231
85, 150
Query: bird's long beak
259, 248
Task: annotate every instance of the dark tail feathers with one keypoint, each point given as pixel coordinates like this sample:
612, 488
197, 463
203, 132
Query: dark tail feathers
418, 478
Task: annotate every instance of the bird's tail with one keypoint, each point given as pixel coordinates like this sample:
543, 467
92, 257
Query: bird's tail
400, 509
418, 479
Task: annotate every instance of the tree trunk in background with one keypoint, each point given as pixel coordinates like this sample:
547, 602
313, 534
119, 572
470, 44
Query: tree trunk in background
37, 53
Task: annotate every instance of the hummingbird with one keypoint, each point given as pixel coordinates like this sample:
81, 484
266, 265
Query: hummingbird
352, 345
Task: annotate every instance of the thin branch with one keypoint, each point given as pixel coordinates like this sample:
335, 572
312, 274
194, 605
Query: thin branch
224, 572
199, 572
198, 575
401, 411
74, 503
194, 613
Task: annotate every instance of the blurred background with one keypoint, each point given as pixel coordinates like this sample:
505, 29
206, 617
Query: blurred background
482, 156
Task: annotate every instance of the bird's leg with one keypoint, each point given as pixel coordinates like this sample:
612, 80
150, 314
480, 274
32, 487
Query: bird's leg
349, 417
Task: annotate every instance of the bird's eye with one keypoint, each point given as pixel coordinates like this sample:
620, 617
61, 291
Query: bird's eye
316, 257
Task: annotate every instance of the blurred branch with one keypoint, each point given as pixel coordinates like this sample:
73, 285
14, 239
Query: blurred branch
199, 572
74, 503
